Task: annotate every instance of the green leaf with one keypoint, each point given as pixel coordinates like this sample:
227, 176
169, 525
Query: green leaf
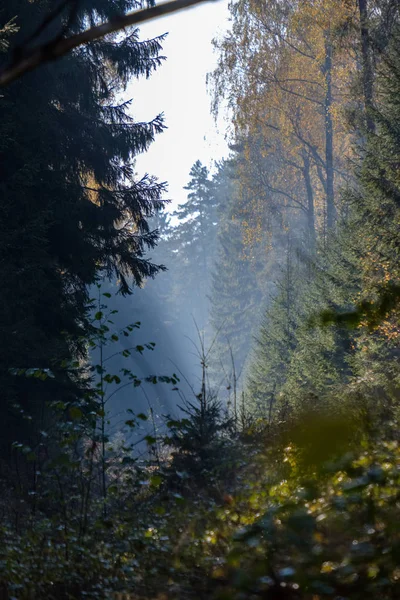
156, 480
75, 412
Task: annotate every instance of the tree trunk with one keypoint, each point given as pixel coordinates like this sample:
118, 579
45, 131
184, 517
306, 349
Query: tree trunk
367, 74
310, 202
330, 195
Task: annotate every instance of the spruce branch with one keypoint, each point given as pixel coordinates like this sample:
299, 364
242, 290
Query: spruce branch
57, 47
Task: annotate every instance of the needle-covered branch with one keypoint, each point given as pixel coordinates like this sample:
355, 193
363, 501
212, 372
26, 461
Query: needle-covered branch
57, 47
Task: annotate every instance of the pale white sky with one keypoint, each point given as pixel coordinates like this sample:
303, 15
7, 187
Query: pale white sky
178, 88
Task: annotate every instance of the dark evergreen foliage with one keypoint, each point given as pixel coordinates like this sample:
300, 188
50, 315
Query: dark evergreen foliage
193, 242
71, 208
243, 275
276, 342
199, 447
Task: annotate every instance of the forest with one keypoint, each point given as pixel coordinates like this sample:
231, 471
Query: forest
199, 399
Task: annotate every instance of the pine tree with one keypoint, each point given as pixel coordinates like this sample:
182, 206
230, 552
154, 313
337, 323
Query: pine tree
375, 202
193, 241
276, 341
295, 360
236, 300
70, 207
242, 277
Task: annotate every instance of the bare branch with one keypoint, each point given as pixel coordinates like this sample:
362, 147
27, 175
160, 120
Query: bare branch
303, 96
275, 190
59, 47
298, 80
285, 40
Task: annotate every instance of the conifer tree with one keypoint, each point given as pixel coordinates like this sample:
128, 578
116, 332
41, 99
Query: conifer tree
245, 269
375, 203
235, 298
192, 241
276, 342
71, 207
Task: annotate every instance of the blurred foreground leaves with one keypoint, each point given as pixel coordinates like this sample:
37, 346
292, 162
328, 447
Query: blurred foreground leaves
312, 515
